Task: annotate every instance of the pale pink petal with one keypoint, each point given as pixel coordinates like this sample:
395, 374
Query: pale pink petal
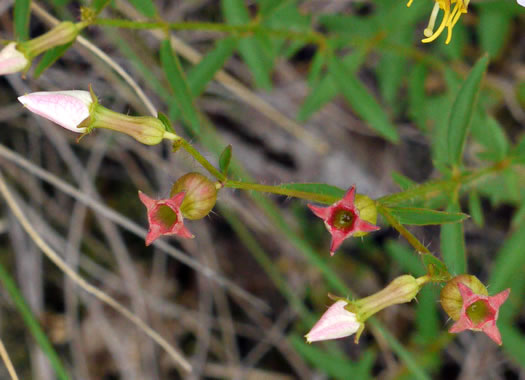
521, 2
66, 108
336, 322
12, 60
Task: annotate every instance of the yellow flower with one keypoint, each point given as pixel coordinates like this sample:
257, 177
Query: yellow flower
450, 18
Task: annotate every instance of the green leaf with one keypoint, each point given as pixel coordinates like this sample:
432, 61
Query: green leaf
182, 94
493, 26
462, 110
402, 181
236, 13
453, 244
326, 89
99, 5
474, 205
201, 74
407, 259
423, 216
510, 261
489, 133
224, 159
50, 57
513, 342
21, 19
362, 102
316, 188
166, 121
316, 66
417, 96
32, 324
146, 7
436, 268
427, 316
336, 366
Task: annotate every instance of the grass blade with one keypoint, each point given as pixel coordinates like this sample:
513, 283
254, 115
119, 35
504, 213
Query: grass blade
32, 324
362, 102
21, 19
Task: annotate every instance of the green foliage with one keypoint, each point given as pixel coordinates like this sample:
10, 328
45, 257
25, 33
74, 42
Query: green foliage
32, 324
462, 110
50, 57
224, 159
362, 102
21, 19
146, 7
453, 244
423, 217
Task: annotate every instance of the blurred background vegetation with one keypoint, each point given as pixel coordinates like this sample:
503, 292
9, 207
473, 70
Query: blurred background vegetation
339, 92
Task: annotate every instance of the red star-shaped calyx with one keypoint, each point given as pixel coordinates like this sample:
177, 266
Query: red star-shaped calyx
165, 217
479, 312
342, 219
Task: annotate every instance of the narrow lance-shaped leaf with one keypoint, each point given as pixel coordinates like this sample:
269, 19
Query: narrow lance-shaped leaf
462, 110
146, 7
236, 13
334, 192
423, 217
181, 92
50, 57
21, 18
224, 159
202, 73
362, 102
453, 244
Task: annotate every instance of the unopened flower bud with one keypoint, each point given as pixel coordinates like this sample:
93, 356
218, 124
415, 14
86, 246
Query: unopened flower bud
367, 211
145, 129
62, 34
80, 112
201, 195
12, 60
69, 109
337, 322
402, 289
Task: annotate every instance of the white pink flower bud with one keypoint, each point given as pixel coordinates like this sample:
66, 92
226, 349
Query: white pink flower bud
68, 109
12, 60
336, 322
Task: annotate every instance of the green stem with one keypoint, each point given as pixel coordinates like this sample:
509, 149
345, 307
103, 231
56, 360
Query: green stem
201, 160
281, 191
239, 30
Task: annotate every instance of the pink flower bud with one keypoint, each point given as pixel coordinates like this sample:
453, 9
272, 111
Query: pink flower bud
350, 216
68, 109
201, 195
336, 322
12, 60
164, 217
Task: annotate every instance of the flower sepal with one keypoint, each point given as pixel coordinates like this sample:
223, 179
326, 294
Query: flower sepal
465, 299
